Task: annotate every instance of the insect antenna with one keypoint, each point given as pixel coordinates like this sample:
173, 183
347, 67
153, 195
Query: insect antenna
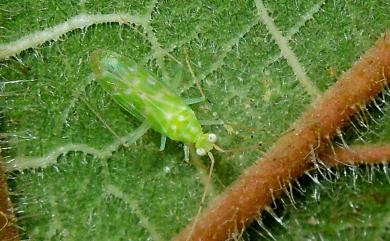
237, 149
204, 195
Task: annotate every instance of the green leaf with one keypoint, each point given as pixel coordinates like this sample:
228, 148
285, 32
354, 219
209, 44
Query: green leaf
72, 180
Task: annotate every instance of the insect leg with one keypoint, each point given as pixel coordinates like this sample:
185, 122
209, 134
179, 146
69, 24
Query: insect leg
186, 153
99, 117
174, 83
211, 122
192, 73
137, 133
195, 100
163, 141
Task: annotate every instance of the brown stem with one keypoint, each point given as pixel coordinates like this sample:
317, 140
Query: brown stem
8, 228
356, 155
242, 202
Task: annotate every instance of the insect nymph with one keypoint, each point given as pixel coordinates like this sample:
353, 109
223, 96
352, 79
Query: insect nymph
150, 100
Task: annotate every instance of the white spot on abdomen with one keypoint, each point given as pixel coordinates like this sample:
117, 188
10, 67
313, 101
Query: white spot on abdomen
182, 117
168, 115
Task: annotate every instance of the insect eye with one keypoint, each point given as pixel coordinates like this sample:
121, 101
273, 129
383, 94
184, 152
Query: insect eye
212, 138
200, 151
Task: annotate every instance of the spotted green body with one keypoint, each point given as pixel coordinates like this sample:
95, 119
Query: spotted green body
137, 91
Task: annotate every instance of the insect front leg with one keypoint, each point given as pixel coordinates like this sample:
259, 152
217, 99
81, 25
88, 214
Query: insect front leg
186, 153
163, 141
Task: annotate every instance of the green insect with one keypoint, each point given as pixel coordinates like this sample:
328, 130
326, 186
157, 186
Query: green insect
150, 100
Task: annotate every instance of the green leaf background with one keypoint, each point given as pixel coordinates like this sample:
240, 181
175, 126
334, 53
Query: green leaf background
139, 193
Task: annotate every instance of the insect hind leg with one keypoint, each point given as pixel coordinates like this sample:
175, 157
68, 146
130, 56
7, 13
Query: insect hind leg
211, 122
197, 83
174, 82
195, 100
